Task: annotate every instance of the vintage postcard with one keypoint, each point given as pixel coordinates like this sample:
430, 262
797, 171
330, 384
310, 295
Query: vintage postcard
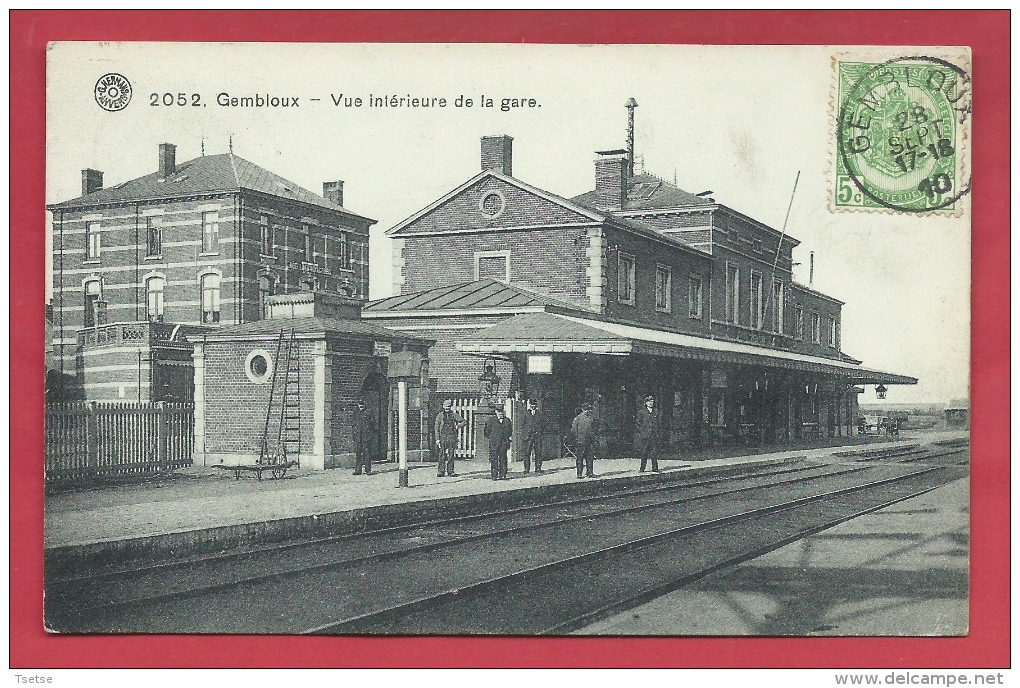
524, 340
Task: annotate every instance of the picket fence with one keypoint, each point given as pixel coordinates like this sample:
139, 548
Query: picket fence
95, 440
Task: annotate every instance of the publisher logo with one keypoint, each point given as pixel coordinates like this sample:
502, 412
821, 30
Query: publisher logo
113, 92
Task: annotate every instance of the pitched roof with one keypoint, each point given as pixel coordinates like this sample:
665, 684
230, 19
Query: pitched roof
548, 195
648, 192
311, 326
225, 172
478, 294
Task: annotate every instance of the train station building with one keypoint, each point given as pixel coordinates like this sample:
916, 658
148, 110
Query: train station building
144, 266
635, 288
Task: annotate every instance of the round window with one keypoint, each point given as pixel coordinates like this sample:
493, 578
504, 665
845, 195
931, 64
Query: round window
258, 366
492, 204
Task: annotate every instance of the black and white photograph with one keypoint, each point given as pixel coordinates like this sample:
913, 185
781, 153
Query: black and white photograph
517, 340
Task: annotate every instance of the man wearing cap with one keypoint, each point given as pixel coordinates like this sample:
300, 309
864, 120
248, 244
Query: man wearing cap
446, 427
585, 440
366, 438
498, 430
646, 434
532, 436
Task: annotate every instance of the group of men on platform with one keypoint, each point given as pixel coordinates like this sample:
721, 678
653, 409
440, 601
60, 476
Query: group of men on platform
585, 433
498, 431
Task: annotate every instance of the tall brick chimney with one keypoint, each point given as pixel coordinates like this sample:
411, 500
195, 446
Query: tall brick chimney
333, 192
497, 154
91, 181
167, 160
611, 179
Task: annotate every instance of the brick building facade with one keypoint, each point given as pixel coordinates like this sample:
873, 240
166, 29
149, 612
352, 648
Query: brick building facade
246, 407
142, 267
638, 288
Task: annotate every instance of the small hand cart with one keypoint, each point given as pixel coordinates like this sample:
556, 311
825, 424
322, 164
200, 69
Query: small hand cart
274, 468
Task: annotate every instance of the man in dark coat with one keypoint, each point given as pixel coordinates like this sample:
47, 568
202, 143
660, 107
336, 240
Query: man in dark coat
646, 434
448, 423
498, 431
366, 438
532, 437
585, 435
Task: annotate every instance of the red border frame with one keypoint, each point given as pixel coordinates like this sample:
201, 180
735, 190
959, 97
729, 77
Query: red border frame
987, 32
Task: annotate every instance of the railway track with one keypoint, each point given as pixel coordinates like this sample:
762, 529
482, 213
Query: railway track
449, 576
946, 452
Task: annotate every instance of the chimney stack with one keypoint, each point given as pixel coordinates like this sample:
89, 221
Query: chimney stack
611, 179
333, 192
167, 160
91, 181
497, 154
631, 104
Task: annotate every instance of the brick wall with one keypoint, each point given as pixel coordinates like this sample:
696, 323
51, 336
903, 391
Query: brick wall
453, 371
236, 407
124, 263
332, 236
648, 254
520, 209
811, 303
550, 261
349, 373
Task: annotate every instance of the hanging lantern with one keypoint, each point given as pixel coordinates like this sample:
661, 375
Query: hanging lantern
488, 381
880, 391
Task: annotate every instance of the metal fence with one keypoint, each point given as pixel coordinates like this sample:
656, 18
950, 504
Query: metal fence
94, 440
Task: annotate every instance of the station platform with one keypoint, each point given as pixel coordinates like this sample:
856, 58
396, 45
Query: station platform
899, 571
200, 510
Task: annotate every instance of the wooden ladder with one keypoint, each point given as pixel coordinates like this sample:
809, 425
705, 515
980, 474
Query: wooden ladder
287, 446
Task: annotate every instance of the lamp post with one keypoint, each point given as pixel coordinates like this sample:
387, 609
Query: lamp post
488, 389
402, 366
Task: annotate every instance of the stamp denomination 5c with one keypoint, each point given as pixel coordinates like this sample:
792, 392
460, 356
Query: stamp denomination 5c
901, 134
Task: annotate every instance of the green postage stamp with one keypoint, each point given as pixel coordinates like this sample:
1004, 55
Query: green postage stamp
902, 131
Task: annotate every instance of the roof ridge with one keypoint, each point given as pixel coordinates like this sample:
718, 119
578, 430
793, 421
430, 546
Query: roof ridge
233, 167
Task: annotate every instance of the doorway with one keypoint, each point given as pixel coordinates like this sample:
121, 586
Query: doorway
375, 392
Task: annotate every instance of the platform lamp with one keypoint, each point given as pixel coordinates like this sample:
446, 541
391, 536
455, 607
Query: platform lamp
488, 381
880, 391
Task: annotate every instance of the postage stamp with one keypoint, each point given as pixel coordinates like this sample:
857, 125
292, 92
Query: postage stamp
901, 132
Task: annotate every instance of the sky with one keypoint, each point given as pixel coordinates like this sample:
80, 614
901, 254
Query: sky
737, 120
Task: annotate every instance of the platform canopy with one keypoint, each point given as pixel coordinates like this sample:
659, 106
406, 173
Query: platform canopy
554, 333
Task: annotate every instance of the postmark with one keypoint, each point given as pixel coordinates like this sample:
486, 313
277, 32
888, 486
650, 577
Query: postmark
113, 92
902, 129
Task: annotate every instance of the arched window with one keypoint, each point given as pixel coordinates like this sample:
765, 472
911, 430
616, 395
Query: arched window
154, 299
93, 295
210, 298
267, 287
